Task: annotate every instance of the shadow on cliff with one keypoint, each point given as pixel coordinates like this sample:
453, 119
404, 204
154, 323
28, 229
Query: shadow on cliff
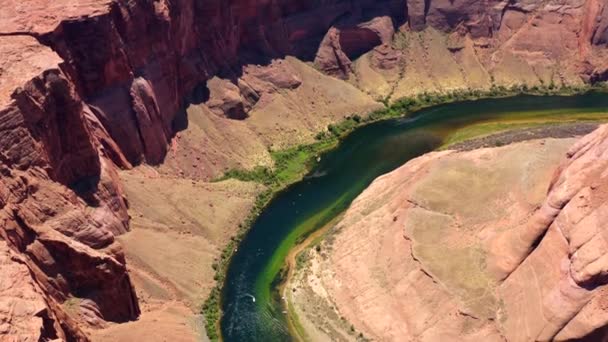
198, 96
262, 49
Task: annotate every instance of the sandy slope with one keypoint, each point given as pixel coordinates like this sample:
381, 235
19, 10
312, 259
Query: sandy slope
179, 227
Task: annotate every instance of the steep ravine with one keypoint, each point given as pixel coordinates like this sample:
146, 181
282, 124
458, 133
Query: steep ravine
90, 87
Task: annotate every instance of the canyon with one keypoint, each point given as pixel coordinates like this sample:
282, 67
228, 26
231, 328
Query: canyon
116, 115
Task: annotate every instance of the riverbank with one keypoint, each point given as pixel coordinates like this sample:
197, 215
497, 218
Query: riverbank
291, 165
294, 262
524, 133
313, 313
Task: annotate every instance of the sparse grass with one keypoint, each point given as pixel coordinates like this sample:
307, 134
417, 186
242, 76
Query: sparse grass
290, 165
211, 309
489, 128
401, 41
485, 129
72, 305
301, 259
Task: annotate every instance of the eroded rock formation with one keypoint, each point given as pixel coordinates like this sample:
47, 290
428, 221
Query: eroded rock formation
60, 200
345, 42
566, 253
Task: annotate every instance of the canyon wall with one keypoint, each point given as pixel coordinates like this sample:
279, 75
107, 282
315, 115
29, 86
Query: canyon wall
563, 248
88, 86
60, 199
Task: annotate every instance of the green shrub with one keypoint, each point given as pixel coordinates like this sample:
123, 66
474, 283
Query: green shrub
320, 136
211, 311
260, 174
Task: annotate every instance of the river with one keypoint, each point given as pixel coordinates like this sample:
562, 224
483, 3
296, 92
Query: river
253, 309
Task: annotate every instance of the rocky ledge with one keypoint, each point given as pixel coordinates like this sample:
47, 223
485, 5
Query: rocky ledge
87, 87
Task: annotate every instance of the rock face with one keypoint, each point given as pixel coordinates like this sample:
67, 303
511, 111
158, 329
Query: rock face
514, 261
570, 262
450, 45
136, 82
234, 101
481, 18
21, 300
88, 86
60, 202
344, 42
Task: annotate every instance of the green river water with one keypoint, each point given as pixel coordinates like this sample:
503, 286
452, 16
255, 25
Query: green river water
345, 172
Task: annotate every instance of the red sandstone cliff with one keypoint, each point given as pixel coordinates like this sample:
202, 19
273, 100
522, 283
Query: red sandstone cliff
563, 247
88, 86
60, 200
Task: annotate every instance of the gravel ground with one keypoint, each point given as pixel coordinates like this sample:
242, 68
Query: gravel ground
567, 130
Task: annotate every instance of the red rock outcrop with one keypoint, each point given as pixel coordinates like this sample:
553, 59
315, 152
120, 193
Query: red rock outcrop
564, 253
600, 29
60, 200
480, 17
330, 57
344, 42
23, 310
235, 99
484, 18
408, 259
176, 53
